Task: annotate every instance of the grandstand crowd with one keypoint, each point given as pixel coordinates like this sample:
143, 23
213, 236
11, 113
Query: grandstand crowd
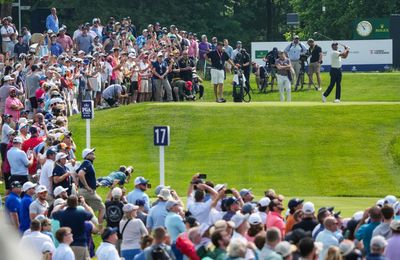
51, 196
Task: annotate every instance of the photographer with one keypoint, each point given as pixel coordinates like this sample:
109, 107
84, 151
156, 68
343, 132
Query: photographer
315, 63
293, 52
242, 61
269, 60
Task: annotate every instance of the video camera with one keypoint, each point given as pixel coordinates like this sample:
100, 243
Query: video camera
304, 56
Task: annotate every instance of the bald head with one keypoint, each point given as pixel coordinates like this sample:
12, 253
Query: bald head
330, 223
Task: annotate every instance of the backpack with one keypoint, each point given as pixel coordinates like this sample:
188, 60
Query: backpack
159, 253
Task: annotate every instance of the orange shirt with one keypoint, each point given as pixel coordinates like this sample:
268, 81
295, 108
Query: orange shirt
290, 221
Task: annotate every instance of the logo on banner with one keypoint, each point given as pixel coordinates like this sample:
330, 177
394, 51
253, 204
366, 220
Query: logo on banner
378, 52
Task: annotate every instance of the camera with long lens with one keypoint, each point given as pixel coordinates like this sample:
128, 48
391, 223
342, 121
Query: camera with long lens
304, 57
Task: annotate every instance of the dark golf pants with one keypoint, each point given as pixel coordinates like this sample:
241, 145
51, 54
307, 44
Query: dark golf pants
336, 78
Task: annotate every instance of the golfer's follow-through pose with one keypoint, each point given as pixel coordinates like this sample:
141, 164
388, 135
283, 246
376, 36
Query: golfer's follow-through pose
336, 71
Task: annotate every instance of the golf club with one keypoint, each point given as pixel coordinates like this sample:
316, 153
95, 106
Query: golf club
326, 37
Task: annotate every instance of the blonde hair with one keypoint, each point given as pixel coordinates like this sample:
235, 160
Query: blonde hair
333, 254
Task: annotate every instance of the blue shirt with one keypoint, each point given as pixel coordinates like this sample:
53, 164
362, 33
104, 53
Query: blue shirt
13, 204
74, 219
364, 233
56, 49
137, 194
18, 161
90, 176
327, 238
52, 23
229, 50
157, 214
174, 225
160, 68
294, 51
25, 220
140, 41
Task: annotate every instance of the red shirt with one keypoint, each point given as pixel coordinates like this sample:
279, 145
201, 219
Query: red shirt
30, 144
275, 219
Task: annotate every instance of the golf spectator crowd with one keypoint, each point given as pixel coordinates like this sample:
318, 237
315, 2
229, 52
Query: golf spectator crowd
52, 197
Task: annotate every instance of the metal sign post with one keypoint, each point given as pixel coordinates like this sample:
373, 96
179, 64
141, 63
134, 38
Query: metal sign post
161, 139
87, 113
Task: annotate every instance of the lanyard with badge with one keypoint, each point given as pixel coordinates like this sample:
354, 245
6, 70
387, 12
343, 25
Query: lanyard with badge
220, 57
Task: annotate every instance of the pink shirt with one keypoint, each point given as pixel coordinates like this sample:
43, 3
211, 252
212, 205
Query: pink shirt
274, 219
65, 42
193, 48
8, 110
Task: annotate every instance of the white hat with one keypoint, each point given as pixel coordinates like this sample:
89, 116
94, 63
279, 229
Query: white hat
165, 194
380, 202
171, 203
284, 248
141, 180
7, 78
17, 139
81, 52
28, 185
59, 201
41, 188
129, 207
60, 156
390, 199
238, 219
218, 187
264, 202
87, 151
22, 120
346, 247
358, 215
255, 219
378, 242
160, 54
58, 190
116, 192
308, 208
131, 55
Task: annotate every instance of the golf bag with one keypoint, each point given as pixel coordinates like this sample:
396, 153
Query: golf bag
239, 83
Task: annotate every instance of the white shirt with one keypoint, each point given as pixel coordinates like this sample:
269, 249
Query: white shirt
249, 252
46, 174
63, 252
6, 30
200, 210
4, 130
107, 251
133, 233
336, 60
35, 240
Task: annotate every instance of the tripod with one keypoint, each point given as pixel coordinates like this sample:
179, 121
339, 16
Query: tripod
300, 79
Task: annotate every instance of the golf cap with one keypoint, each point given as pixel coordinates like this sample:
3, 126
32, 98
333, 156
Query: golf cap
284, 248
247, 208
238, 219
159, 188
60, 156
390, 200
294, 203
229, 201
59, 201
171, 203
7, 78
87, 151
310, 40
108, 232
140, 180
164, 194
296, 37
28, 185
51, 151
58, 190
40, 189
395, 225
116, 192
255, 219
238, 42
218, 187
17, 140
346, 247
160, 54
308, 208
245, 192
264, 202
129, 207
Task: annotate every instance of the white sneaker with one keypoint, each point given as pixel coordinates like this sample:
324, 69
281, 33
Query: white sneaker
319, 88
323, 98
336, 101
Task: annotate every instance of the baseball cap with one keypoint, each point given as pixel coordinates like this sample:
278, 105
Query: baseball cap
58, 190
16, 184
395, 225
159, 188
390, 199
380, 203
238, 219
218, 187
129, 207
108, 231
17, 139
264, 202
41, 188
229, 201
296, 235
255, 219
140, 202
171, 203
58, 201
244, 192
334, 43
28, 185
238, 42
308, 208
294, 203
159, 54
284, 248
51, 151
87, 151
5, 116
247, 208
296, 37
116, 192
60, 156
140, 180
346, 246
164, 194
378, 242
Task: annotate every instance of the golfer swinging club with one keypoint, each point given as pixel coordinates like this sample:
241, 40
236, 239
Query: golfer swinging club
336, 71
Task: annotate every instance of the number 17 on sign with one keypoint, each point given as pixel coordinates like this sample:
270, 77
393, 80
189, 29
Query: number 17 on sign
161, 139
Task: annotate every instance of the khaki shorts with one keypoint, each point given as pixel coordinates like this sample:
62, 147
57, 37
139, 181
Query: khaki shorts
81, 252
314, 67
92, 199
145, 86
